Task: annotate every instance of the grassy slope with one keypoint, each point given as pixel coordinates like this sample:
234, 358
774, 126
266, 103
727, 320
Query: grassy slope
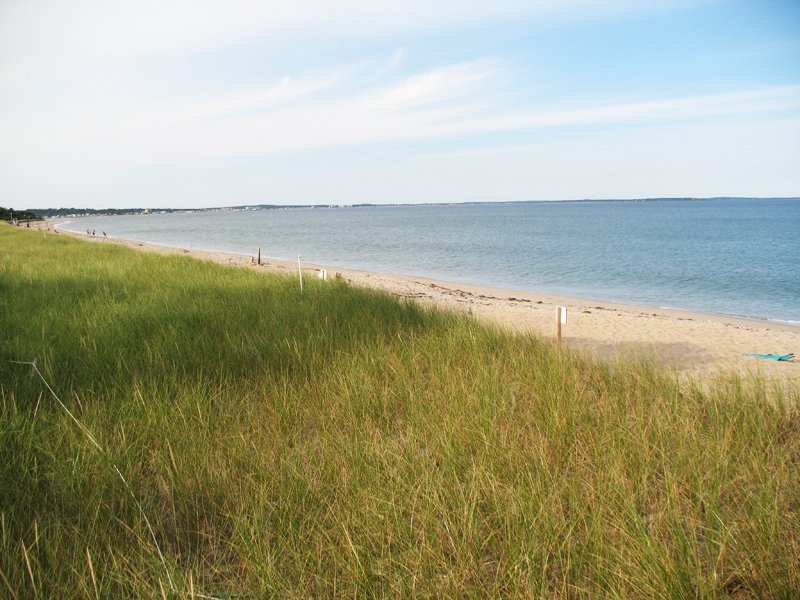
340, 442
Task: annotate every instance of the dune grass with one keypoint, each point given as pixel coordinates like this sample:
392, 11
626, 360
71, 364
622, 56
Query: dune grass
340, 442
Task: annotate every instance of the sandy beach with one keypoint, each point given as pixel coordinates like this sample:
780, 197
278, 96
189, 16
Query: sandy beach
691, 343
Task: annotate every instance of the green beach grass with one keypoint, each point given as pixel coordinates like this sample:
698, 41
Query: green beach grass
340, 442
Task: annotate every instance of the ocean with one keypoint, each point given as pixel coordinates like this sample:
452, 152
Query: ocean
737, 257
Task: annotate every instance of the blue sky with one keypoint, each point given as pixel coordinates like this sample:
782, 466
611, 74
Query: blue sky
198, 103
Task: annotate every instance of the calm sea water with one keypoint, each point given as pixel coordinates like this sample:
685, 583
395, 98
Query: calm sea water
737, 257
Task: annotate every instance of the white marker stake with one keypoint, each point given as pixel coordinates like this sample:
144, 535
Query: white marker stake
300, 270
558, 324
561, 319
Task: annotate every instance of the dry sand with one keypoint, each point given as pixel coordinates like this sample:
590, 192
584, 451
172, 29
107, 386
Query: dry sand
691, 343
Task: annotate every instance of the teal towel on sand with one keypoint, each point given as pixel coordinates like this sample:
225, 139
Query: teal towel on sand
772, 356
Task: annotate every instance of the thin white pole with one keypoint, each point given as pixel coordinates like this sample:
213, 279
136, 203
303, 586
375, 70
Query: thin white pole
300, 270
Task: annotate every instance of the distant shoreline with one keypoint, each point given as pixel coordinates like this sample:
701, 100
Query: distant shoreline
690, 342
51, 213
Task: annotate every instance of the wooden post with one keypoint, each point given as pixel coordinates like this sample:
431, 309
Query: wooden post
558, 324
259, 255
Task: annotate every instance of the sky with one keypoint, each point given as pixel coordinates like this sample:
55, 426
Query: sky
200, 103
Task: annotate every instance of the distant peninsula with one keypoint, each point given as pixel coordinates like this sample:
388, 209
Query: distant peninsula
48, 213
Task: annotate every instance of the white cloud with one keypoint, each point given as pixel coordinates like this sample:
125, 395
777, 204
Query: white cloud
706, 160
85, 103
39, 38
436, 104
149, 26
434, 86
272, 120
761, 100
297, 114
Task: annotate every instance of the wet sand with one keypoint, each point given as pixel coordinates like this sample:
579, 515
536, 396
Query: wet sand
691, 343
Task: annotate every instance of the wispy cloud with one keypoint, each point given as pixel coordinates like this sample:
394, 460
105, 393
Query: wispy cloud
298, 114
291, 114
39, 38
93, 90
441, 103
443, 84
755, 101
397, 57
288, 89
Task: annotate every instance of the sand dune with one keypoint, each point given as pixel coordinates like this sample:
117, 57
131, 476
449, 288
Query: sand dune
691, 343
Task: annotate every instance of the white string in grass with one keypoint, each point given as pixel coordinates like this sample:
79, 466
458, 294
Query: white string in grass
35, 371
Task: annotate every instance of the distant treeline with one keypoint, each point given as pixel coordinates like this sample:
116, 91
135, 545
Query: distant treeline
6, 214
65, 212
85, 212
43, 213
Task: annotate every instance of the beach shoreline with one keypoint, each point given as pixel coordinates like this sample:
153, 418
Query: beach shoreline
692, 343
